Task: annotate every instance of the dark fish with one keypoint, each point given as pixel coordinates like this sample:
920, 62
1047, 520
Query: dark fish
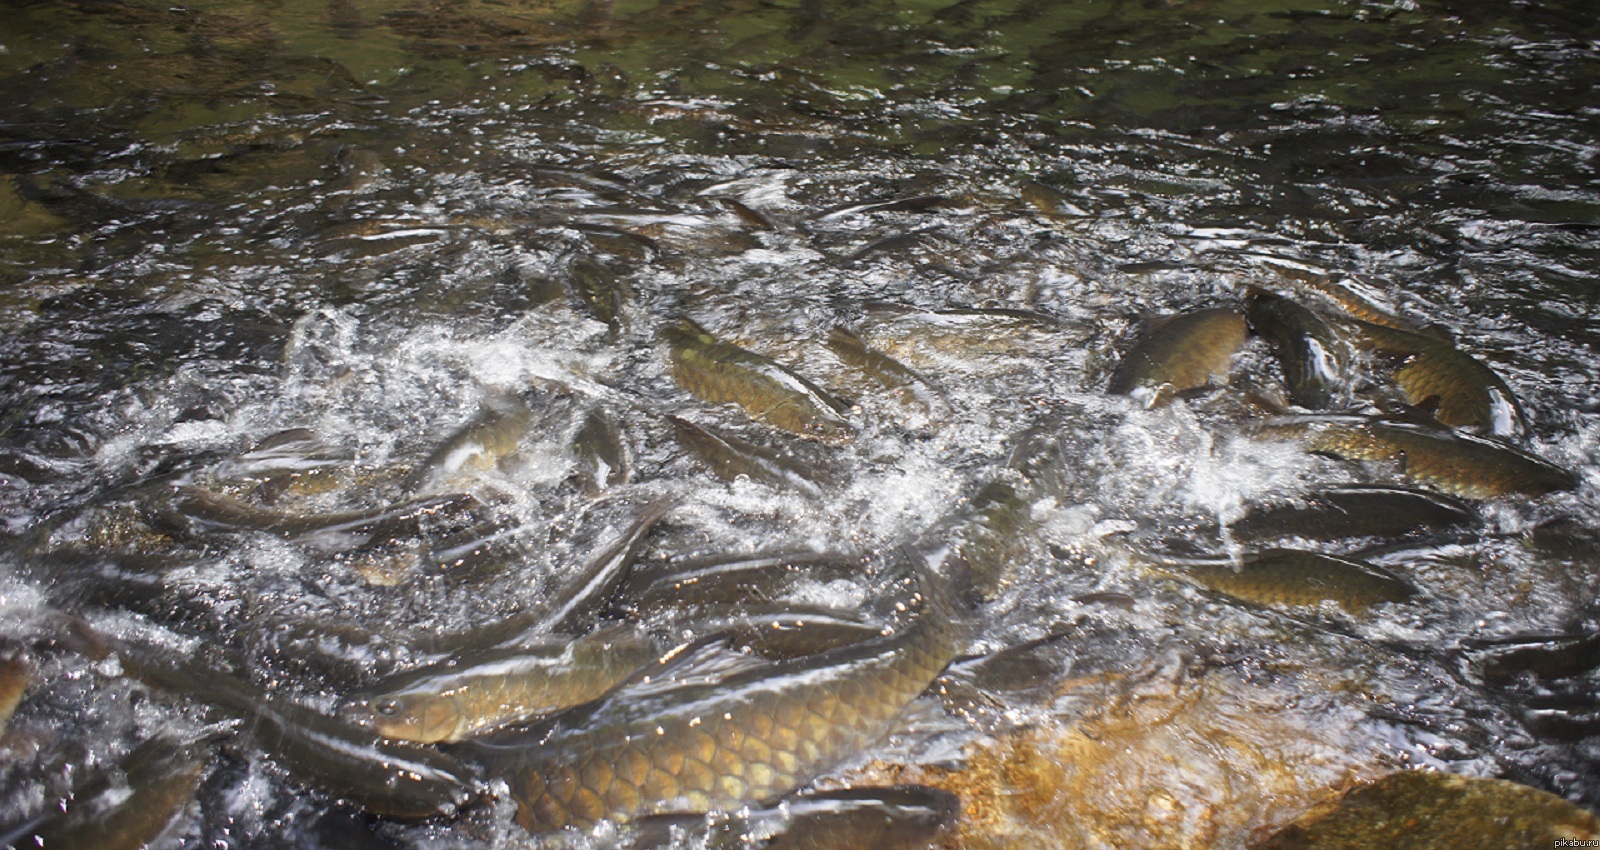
575, 606
1462, 392
467, 694
1048, 202
1293, 577
901, 817
1458, 464
127, 810
990, 535
1426, 810
345, 760
1173, 354
722, 372
601, 290
731, 457
225, 512
740, 580
1316, 360
602, 454
697, 734
882, 368
1548, 657
1355, 511
490, 437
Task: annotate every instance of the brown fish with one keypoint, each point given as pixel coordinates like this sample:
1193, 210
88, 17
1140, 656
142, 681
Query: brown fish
1458, 464
690, 737
1426, 810
1182, 352
16, 675
885, 370
730, 457
1354, 511
1463, 392
467, 694
1293, 577
719, 372
129, 810
480, 444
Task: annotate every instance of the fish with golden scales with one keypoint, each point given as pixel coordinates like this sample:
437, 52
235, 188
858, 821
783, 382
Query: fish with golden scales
1457, 464
1177, 353
700, 732
1434, 373
1292, 577
717, 371
451, 700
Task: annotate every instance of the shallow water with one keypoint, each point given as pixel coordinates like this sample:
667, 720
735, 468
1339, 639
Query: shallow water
365, 217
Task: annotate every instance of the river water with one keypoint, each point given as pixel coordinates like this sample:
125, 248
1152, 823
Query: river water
369, 218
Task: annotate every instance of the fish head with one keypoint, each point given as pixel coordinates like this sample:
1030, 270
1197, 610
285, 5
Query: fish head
421, 717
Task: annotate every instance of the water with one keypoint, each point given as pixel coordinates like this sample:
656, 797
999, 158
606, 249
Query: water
365, 218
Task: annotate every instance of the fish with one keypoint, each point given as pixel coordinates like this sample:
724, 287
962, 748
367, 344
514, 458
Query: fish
130, 808
469, 693
1316, 360
602, 454
1461, 465
883, 369
1293, 577
1349, 297
990, 535
1355, 511
731, 458
1428, 810
1177, 353
699, 733
738, 580
718, 372
899, 817
1434, 373
601, 291
575, 606
910, 333
491, 436
1545, 656
16, 676
218, 511
347, 761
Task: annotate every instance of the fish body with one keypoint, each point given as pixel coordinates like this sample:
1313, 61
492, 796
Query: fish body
881, 368
911, 333
132, 811
1315, 358
490, 436
663, 744
720, 372
1294, 577
345, 760
900, 817
225, 512
466, 695
16, 676
602, 454
730, 457
1181, 352
1355, 511
1463, 392
1350, 298
1458, 464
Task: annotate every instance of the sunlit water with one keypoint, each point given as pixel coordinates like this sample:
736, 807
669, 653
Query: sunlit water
366, 218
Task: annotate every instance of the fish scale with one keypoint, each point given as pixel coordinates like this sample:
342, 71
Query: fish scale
753, 735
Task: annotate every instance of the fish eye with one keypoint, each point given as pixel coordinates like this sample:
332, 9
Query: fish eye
388, 707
